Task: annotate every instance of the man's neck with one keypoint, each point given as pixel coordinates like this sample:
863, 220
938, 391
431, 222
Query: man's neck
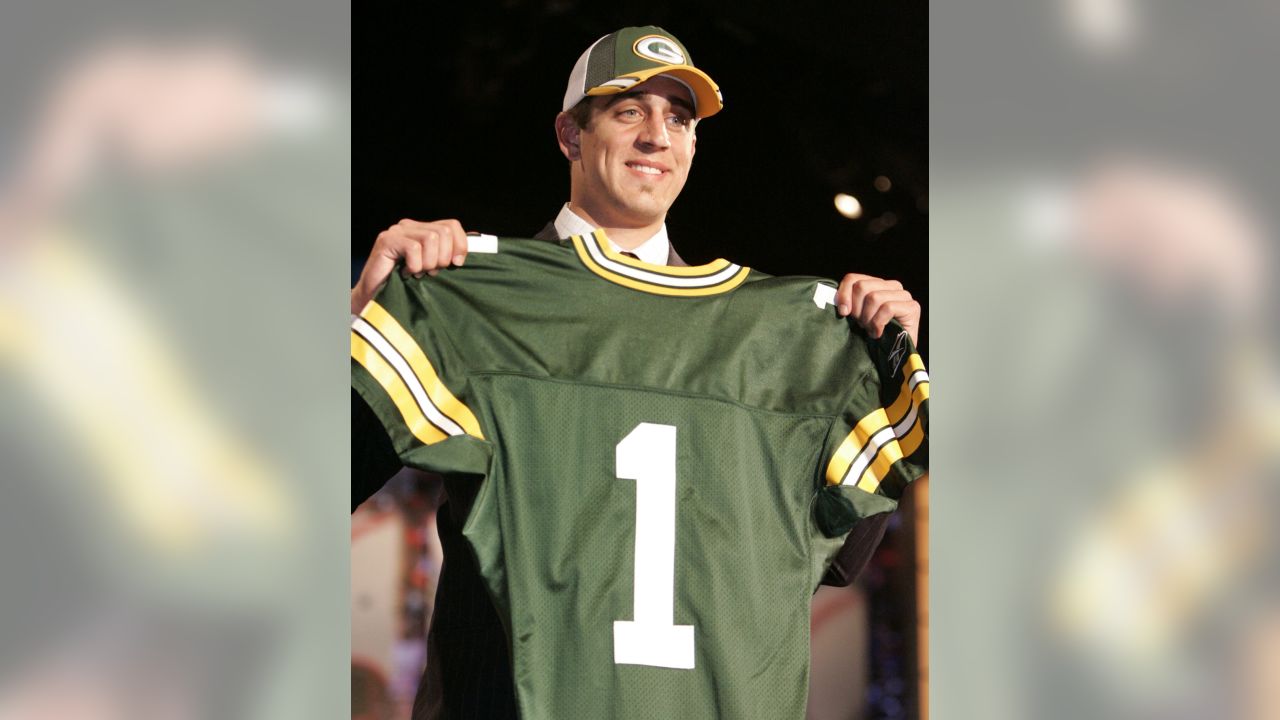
624, 235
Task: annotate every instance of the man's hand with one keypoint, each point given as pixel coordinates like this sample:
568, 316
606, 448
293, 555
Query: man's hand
873, 302
425, 247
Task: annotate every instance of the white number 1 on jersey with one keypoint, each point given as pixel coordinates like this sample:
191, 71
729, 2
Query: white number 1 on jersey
648, 456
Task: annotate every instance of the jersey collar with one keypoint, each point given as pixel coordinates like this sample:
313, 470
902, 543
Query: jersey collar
716, 277
654, 250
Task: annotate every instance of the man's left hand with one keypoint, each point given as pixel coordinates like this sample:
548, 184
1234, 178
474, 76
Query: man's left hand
873, 302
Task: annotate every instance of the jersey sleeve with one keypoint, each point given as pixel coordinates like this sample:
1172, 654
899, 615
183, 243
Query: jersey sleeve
373, 459
407, 367
879, 443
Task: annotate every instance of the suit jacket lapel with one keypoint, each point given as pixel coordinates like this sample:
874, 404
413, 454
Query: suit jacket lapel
673, 258
548, 232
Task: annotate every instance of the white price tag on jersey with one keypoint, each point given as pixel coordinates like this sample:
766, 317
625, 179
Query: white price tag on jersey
482, 243
824, 295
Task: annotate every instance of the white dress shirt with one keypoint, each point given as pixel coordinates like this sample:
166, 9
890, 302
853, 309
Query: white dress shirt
654, 251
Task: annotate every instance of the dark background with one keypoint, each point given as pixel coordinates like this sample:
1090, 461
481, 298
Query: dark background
454, 108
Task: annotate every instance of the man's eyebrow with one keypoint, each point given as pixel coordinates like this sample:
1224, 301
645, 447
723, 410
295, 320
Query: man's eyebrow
637, 93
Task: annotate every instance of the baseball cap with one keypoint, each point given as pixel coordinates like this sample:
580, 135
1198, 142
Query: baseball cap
632, 55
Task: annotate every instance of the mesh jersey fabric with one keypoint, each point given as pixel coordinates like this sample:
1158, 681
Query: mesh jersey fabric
758, 428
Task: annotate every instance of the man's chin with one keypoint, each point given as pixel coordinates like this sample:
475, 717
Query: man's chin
646, 217
647, 213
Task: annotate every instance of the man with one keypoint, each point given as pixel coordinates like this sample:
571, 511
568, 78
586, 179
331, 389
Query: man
628, 130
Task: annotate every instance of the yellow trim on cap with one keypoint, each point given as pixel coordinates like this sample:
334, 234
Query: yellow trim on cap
706, 92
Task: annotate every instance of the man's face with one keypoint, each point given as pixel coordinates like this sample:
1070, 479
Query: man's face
636, 153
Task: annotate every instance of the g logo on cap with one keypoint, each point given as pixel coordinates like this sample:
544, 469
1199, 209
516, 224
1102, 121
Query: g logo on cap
659, 49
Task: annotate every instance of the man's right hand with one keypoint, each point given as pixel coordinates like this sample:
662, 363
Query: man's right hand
425, 247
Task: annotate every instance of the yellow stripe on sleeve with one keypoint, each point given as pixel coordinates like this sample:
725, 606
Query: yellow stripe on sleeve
390, 381
853, 443
889, 453
893, 449
913, 440
450, 406
905, 395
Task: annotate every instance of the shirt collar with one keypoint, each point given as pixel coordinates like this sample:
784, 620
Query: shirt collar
655, 251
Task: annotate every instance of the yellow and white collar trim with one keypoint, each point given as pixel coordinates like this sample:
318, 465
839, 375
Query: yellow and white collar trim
716, 277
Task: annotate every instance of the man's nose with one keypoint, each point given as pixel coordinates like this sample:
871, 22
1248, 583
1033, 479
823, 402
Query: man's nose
654, 134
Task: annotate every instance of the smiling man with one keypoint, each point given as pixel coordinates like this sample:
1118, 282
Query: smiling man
650, 71
630, 156
628, 129
631, 146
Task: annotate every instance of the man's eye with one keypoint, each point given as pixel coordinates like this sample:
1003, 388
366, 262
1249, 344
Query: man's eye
677, 121
629, 113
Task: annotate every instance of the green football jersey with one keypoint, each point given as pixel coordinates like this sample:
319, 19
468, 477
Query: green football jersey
656, 464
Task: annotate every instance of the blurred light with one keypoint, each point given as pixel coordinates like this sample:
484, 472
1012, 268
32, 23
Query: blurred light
848, 206
1104, 26
882, 223
882, 183
1044, 215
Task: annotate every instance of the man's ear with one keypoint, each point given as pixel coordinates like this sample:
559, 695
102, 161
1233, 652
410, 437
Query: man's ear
569, 135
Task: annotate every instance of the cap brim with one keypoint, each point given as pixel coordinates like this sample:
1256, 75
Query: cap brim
705, 91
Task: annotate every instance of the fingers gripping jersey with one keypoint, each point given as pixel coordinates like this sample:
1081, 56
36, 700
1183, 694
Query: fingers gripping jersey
656, 464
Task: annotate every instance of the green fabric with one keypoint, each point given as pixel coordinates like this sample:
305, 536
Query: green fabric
559, 365
625, 60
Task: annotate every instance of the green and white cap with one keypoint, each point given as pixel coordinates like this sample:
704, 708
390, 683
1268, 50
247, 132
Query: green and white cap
628, 57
